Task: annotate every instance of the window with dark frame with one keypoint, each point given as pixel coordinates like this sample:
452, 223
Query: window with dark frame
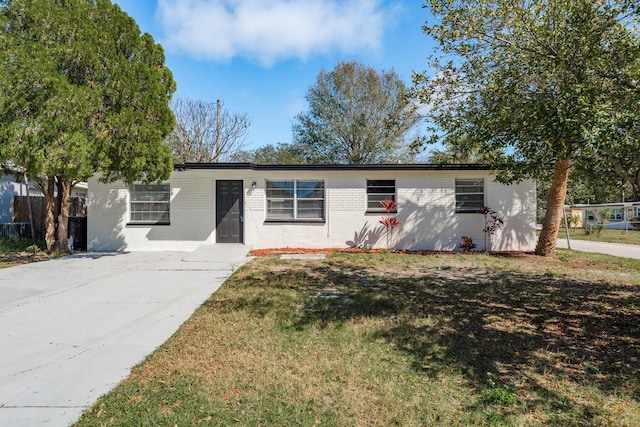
616, 214
150, 204
379, 190
469, 195
295, 200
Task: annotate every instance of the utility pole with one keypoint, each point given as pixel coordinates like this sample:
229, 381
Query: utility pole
218, 106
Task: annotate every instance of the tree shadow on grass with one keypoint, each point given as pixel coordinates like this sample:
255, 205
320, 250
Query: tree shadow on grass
512, 329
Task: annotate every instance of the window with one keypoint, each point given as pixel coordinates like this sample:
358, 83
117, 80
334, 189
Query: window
469, 195
150, 203
290, 200
616, 214
591, 216
379, 190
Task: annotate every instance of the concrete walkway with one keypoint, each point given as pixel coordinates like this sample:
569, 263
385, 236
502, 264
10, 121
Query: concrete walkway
616, 249
72, 328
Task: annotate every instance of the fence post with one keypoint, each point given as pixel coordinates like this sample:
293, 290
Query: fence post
26, 182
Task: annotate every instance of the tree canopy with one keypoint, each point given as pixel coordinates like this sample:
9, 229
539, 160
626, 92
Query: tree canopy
82, 90
537, 80
356, 115
273, 154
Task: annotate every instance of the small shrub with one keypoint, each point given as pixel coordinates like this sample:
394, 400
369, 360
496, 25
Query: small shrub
467, 244
539, 219
492, 223
389, 222
33, 249
572, 221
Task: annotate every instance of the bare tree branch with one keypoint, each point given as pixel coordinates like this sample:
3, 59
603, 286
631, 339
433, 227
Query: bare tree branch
206, 132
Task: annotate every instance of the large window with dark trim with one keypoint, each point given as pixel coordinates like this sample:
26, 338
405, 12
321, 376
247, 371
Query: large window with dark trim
616, 214
469, 195
150, 203
291, 200
379, 190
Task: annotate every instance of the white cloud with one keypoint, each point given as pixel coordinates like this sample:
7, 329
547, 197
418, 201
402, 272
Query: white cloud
271, 30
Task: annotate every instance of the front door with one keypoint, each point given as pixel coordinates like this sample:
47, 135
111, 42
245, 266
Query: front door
229, 212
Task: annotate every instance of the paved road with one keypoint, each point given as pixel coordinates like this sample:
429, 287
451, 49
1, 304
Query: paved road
617, 249
72, 328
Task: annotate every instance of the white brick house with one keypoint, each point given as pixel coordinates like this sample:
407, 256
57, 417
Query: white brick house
312, 206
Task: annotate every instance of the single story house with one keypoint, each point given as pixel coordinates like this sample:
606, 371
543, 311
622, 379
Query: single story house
311, 206
618, 216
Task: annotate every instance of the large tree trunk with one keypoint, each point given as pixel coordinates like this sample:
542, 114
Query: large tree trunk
555, 208
50, 222
64, 195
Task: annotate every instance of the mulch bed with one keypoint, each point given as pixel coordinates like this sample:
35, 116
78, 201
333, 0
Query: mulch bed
279, 251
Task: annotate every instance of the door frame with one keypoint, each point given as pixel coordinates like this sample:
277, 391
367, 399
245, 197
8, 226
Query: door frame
241, 207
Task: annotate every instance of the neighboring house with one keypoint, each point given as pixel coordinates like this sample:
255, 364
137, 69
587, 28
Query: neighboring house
80, 190
311, 206
616, 215
9, 188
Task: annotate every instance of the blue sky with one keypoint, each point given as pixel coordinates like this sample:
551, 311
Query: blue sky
260, 56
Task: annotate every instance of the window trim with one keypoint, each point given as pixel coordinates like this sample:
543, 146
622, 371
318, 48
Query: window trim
296, 199
456, 194
394, 196
131, 202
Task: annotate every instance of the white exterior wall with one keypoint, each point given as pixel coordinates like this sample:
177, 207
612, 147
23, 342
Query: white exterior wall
426, 210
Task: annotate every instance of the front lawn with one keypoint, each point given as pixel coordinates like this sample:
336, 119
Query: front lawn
630, 237
391, 339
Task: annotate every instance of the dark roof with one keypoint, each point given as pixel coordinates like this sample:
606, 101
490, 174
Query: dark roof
327, 167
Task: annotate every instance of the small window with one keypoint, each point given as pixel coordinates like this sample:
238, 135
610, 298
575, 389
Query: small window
591, 216
290, 200
469, 195
150, 203
379, 190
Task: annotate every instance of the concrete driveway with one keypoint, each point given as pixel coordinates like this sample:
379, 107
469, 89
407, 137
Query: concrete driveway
72, 328
616, 249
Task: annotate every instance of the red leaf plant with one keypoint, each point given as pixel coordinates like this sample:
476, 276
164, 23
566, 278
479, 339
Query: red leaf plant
389, 222
492, 223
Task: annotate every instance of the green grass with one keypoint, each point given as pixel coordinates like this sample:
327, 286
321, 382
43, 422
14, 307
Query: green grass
390, 339
631, 237
15, 251
14, 244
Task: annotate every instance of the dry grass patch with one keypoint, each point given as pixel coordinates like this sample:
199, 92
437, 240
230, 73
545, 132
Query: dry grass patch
383, 339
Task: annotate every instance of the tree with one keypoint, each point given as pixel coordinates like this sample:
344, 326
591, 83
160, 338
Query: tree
81, 91
463, 150
278, 154
619, 161
206, 132
537, 80
356, 115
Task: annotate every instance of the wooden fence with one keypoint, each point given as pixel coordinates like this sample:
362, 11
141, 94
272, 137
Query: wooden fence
39, 207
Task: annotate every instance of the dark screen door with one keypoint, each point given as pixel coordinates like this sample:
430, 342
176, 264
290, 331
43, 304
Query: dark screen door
229, 212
